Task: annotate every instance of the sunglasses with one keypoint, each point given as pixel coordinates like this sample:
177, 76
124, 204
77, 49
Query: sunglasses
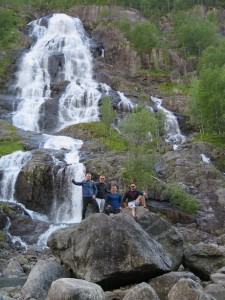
102, 178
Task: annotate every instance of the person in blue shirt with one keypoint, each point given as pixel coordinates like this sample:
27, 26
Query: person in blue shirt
89, 192
113, 201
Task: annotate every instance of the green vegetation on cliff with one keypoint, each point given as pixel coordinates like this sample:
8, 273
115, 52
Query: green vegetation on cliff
9, 140
207, 95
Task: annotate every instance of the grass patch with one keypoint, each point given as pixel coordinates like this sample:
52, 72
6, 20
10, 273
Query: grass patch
99, 131
172, 88
9, 140
9, 146
216, 140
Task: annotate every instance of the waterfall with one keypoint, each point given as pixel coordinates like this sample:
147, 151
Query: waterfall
60, 53
70, 209
173, 133
10, 166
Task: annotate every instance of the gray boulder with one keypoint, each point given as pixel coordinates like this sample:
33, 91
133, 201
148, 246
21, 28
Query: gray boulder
40, 279
141, 291
204, 259
163, 284
13, 268
69, 288
189, 290
165, 234
111, 251
216, 290
217, 285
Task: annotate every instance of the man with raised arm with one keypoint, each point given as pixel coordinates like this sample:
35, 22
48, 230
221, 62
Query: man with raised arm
89, 191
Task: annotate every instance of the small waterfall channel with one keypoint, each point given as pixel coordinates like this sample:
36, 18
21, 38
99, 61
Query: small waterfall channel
60, 54
173, 133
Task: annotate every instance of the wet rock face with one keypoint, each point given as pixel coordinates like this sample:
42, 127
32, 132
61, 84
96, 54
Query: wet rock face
111, 251
3, 219
35, 183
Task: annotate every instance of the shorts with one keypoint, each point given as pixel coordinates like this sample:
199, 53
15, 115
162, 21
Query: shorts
134, 203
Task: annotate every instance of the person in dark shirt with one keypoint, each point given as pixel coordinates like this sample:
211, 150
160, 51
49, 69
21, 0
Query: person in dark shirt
133, 197
89, 192
113, 201
102, 192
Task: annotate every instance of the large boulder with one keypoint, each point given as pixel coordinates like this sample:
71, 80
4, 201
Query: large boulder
40, 279
165, 234
69, 288
204, 259
111, 251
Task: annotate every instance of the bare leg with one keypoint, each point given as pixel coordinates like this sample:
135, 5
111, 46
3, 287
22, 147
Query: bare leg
142, 200
133, 211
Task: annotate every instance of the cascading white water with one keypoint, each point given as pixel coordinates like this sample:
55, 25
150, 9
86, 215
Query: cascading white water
14, 239
10, 166
173, 134
70, 209
125, 104
64, 37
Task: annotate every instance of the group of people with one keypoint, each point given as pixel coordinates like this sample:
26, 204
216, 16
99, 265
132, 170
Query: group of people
108, 201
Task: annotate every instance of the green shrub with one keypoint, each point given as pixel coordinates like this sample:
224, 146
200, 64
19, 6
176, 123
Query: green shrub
6, 208
144, 36
195, 33
178, 196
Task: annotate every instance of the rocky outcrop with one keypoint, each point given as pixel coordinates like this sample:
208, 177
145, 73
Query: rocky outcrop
111, 251
201, 179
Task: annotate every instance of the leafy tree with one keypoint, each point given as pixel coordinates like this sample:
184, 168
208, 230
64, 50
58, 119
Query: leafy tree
144, 36
140, 129
107, 112
207, 101
212, 57
194, 33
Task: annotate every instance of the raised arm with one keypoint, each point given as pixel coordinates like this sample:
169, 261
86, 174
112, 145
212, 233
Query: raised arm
77, 182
